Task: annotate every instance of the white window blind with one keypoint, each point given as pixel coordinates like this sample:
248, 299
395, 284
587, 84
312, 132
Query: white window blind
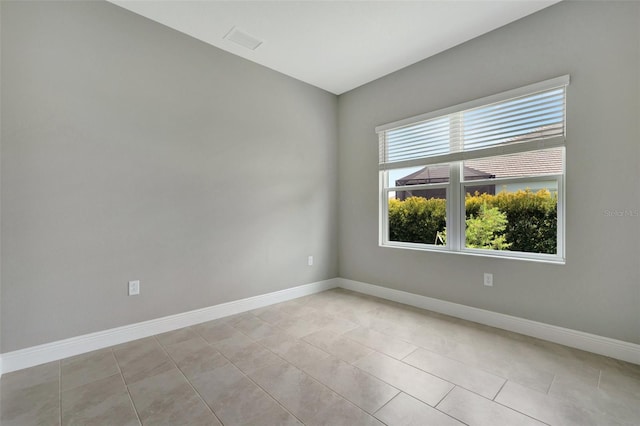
519, 120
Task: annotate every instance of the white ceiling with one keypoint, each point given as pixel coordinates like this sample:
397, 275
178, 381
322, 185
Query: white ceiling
337, 45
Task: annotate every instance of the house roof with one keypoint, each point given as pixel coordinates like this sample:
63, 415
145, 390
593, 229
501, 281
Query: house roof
437, 174
533, 163
544, 162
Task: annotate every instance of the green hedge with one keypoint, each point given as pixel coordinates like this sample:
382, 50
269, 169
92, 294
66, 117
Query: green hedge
531, 219
416, 219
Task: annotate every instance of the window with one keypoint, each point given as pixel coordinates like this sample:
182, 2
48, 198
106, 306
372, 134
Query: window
485, 177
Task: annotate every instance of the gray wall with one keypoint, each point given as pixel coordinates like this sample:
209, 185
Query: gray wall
131, 151
598, 290
0, 185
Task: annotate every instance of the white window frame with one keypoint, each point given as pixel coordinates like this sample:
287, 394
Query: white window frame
455, 188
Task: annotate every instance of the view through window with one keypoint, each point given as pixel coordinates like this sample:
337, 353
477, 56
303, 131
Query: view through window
480, 177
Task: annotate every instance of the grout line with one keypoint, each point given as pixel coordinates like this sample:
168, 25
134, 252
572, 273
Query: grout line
507, 407
253, 381
599, 379
373, 375
410, 353
551, 384
377, 351
500, 390
266, 391
519, 412
126, 386
303, 372
445, 395
242, 372
387, 403
186, 379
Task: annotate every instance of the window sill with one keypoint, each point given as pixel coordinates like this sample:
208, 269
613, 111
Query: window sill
554, 260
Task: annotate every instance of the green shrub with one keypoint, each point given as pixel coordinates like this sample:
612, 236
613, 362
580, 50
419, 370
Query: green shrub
416, 219
531, 220
486, 229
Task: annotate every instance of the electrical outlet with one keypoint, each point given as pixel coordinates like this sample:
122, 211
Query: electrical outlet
488, 279
310, 261
134, 288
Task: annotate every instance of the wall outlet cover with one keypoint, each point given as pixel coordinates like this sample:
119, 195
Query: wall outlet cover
488, 279
134, 288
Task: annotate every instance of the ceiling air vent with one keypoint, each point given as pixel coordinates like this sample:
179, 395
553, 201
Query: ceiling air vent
238, 36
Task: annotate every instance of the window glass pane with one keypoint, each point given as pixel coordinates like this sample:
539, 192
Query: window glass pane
418, 219
532, 163
521, 217
418, 175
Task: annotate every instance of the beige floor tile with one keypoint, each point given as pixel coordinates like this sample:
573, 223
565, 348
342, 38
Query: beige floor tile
276, 415
301, 395
297, 352
559, 360
195, 356
341, 303
234, 343
337, 345
620, 405
621, 379
475, 410
354, 346
343, 413
247, 355
498, 357
364, 390
549, 409
28, 377
336, 324
424, 386
75, 358
26, 399
168, 399
468, 377
367, 319
142, 359
215, 331
518, 371
241, 408
381, 342
232, 320
96, 366
295, 308
221, 383
176, 336
256, 328
271, 314
403, 410
100, 402
403, 316
302, 325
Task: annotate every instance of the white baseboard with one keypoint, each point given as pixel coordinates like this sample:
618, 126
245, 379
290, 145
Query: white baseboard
35, 355
613, 348
29, 357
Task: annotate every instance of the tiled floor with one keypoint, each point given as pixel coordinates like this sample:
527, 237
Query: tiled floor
334, 358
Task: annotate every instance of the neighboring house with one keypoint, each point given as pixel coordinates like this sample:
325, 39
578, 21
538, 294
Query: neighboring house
439, 174
534, 163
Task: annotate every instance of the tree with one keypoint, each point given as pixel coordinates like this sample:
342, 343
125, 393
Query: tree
486, 229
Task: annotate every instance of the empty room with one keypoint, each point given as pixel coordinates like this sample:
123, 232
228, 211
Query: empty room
319, 212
